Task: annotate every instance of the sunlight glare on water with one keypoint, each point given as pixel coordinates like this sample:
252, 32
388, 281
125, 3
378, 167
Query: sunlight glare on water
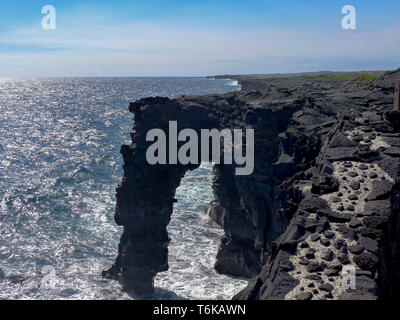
59, 166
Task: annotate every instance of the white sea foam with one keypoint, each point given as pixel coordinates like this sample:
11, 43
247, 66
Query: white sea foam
195, 240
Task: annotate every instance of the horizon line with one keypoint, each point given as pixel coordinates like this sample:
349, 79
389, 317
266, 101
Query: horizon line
199, 76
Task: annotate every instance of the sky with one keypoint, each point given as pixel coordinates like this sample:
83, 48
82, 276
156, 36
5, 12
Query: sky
196, 37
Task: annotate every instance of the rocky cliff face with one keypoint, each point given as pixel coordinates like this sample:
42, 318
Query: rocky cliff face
306, 135
347, 209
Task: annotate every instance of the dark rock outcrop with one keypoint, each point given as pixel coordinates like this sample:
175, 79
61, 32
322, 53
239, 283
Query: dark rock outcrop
320, 151
368, 223
146, 195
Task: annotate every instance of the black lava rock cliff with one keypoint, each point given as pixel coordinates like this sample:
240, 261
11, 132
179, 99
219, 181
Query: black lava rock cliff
324, 192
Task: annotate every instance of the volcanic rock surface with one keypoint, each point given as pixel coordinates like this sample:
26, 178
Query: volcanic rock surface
324, 192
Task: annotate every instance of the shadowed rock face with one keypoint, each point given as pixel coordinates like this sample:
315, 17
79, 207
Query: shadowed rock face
298, 137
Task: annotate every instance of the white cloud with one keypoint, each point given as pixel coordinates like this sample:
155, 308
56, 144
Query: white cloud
150, 49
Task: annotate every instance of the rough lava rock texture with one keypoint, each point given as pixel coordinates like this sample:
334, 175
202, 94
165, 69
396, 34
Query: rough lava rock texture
324, 192
354, 220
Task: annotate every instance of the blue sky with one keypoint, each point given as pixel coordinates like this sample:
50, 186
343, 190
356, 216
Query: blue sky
196, 38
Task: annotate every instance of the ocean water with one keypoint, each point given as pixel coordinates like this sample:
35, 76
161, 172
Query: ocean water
59, 166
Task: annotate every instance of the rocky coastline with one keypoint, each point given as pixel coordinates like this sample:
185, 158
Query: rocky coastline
324, 192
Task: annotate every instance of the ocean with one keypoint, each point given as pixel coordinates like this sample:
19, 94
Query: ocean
59, 166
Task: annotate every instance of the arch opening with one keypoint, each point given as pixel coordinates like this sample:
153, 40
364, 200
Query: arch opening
195, 239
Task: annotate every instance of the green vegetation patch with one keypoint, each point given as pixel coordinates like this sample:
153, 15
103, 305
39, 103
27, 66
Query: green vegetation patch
335, 77
363, 77
369, 79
